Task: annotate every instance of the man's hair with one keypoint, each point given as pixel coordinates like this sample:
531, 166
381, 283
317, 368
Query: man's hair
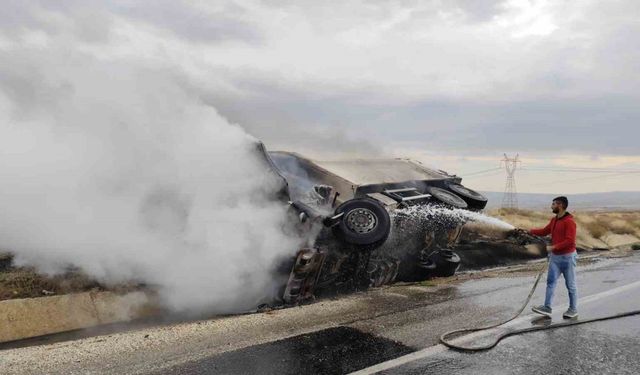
563, 200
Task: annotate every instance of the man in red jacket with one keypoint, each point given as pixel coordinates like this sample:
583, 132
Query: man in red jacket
562, 257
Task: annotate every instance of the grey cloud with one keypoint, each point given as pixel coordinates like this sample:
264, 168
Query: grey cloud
292, 120
475, 10
15, 16
18, 16
91, 20
23, 80
479, 10
605, 124
190, 23
580, 96
86, 20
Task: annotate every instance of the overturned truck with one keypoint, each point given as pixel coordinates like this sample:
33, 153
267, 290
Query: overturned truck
372, 222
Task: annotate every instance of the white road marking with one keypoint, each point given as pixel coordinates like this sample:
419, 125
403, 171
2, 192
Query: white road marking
436, 349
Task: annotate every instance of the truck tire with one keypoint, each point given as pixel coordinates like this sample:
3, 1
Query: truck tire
445, 263
446, 197
475, 200
364, 223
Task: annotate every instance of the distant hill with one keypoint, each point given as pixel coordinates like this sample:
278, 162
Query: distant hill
610, 200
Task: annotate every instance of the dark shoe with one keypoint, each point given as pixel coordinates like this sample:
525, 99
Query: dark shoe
570, 314
543, 310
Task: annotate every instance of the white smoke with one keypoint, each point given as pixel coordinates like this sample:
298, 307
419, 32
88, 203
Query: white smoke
108, 164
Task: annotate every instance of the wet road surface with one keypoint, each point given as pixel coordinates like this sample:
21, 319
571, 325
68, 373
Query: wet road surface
607, 347
363, 330
601, 347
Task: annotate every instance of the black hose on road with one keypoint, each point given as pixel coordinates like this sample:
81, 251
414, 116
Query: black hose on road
444, 339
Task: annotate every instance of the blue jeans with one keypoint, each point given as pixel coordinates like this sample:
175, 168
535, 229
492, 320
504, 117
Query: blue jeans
565, 265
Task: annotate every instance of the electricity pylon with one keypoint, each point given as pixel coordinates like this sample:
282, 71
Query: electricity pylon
510, 197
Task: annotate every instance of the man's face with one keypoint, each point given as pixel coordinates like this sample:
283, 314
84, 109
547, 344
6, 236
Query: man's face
556, 207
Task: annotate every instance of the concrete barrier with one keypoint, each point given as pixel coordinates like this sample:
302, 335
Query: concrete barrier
32, 317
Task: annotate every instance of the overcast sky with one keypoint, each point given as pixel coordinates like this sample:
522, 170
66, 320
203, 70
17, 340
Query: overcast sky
453, 83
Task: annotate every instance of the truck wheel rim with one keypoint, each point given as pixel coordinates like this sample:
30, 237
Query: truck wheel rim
361, 220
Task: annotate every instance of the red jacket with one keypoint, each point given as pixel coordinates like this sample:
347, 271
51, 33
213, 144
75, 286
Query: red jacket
563, 234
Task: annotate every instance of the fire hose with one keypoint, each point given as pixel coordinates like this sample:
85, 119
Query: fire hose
444, 338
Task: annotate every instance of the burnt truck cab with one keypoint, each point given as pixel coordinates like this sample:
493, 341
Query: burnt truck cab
402, 180
370, 221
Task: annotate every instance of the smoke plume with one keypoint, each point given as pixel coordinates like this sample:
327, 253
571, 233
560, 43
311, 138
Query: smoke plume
108, 164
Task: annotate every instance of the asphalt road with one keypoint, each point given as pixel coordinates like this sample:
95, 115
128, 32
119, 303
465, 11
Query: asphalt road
388, 330
607, 347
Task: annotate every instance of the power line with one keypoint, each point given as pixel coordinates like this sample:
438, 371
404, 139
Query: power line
605, 175
581, 170
510, 197
481, 172
599, 171
494, 173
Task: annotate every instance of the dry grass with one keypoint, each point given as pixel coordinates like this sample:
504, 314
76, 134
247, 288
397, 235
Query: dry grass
591, 225
618, 223
623, 229
24, 282
597, 228
635, 224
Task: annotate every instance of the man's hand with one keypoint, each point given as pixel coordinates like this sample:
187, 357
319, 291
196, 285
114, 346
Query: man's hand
549, 248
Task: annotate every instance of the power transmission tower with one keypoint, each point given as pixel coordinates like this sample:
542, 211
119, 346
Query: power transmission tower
510, 197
